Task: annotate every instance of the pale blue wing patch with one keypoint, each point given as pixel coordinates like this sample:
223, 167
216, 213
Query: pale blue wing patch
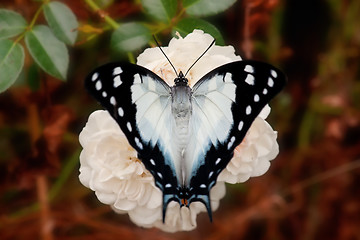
211, 119
154, 118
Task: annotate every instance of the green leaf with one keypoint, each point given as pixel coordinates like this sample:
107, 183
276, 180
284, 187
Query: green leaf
62, 21
206, 7
48, 52
11, 23
130, 37
162, 10
187, 25
11, 62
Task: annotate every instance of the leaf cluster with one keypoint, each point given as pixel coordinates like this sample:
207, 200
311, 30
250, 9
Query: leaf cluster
45, 43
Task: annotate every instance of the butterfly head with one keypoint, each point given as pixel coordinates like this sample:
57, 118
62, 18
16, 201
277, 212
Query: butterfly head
181, 80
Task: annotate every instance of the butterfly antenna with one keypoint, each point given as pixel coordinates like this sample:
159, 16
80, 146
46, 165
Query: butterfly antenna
165, 56
212, 43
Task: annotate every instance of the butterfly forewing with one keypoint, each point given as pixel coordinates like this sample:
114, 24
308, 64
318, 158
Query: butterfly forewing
225, 103
139, 101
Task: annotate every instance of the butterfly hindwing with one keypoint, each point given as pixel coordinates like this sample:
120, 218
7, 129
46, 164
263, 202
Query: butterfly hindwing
225, 103
139, 102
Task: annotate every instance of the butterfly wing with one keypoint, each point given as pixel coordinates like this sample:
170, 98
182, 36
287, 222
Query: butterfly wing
140, 102
225, 103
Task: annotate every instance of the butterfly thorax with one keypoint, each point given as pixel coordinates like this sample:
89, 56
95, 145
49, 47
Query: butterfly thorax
181, 101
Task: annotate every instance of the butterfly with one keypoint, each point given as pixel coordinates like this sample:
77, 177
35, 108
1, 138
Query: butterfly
185, 136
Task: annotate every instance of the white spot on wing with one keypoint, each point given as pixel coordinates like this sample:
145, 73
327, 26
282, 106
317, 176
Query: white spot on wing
138, 143
159, 174
168, 185
241, 124
113, 101
117, 71
248, 110
273, 73
94, 76
104, 94
256, 98
265, 91
250, 79
152, 162
249, 69
98, 85
217, 161
210, 174
270, 82
120, 112
117, 81
137, 79
203, 186
128, 125
228, 77
232, 140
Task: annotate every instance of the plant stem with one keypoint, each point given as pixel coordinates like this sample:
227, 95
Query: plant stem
336, 171
45, 214
107, 19
65, 174
131, 57
32, 23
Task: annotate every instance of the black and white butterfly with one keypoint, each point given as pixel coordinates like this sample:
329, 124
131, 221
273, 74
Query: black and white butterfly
185, 136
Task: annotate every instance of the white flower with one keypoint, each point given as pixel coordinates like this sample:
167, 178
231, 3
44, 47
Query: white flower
109, 165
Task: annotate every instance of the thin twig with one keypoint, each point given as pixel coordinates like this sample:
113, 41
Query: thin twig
46, 221
102, 14
324, 176
247, 45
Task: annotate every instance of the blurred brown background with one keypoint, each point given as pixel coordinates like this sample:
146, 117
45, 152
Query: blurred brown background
312, 189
